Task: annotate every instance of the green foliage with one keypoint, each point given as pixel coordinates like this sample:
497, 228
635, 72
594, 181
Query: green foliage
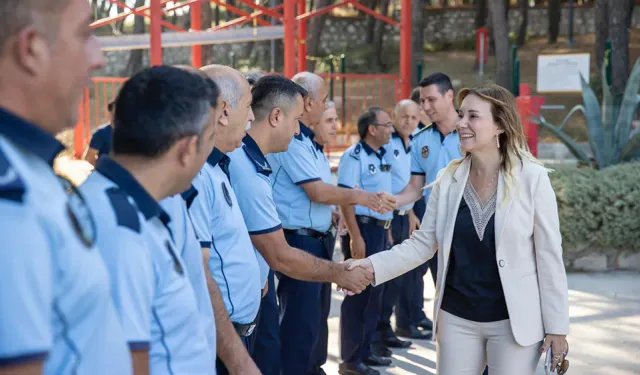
608, 125
599, 208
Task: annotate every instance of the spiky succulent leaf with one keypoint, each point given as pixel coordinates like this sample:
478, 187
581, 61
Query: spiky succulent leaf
595, 130
627, 109
631, 150
573, 147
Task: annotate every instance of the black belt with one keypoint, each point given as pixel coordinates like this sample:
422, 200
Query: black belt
306, 232
244, 330
401, 212
372, 220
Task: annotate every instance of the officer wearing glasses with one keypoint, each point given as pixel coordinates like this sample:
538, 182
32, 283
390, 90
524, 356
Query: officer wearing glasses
56, 314
163, 132
366, 165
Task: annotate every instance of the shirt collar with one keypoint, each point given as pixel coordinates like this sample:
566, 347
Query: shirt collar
256, 156
30, 137
369, 150
218, 157
305, 131
189, 195
421, 125
407, 149
121, 177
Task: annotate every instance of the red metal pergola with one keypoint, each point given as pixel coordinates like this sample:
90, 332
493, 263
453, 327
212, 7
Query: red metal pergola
294, 18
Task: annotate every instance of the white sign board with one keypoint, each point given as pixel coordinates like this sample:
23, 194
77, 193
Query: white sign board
561, 73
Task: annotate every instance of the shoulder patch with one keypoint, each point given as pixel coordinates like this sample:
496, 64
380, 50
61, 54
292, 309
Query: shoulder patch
423, 129
126, 213
355, 153
11, 185
262, 166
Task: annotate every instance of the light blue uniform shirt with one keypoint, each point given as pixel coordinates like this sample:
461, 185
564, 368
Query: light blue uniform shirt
370, 170
303, 162
188, 245
151, 285
400, 165
250, 173
431, 151
233, 261
55, 298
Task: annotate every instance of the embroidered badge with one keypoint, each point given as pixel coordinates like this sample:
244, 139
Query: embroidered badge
372, 169
425, 151
227, 195
396, 153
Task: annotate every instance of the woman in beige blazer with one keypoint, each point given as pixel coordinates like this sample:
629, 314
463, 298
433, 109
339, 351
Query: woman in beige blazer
502, 295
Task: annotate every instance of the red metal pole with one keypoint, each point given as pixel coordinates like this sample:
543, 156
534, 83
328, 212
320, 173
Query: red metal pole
155, 29
405, 49
289, 38
302, 37
196, 50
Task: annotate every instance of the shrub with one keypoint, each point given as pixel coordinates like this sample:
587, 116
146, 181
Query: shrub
599, 209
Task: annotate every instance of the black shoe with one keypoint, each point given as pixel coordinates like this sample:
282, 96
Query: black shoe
413, 332
381, 350
425, 324
361, 369
395, 342
374, 360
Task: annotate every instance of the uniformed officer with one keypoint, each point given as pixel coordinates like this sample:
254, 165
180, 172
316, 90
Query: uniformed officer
303, 193
365, 164
100, 143
432, 149
56, 314
230, 257
163, 131
406, 118
277, 105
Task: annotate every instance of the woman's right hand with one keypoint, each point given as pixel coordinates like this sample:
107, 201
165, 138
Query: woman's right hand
364, 263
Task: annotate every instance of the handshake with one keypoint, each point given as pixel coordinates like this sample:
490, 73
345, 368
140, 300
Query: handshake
356, 275
381, 202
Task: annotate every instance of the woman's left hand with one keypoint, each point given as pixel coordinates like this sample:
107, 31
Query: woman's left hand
559, 348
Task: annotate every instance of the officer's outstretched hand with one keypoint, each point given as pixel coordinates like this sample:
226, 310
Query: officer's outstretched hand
355, 265
354, 279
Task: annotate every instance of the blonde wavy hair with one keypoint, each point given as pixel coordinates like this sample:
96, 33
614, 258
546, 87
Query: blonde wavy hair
513, 142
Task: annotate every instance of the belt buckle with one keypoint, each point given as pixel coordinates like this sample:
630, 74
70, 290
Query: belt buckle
387, 224
252, 327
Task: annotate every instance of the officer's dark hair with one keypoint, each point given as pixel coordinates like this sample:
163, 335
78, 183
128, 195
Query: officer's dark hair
159, 106
274, 91
439, 79
366, 119
415, 95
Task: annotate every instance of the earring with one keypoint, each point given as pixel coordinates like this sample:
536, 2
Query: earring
498, 140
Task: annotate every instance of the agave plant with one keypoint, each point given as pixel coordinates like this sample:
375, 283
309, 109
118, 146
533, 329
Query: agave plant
608, 126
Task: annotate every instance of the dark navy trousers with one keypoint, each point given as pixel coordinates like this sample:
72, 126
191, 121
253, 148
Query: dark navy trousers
304, 310
360, 313
410, 307
266, 349
395, 288
248, 342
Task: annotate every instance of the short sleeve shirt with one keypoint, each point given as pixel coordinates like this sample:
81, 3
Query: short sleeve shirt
172, 310
303, 162
233, 261
431, 151
101, 139
55, 300
400, 155
250, 173
361, 166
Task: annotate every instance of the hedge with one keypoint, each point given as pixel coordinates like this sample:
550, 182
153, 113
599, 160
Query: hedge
599, 209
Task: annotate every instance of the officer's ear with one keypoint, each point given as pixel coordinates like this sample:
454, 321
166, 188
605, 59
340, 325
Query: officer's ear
186, 149
225, 113
275, 117
308, 103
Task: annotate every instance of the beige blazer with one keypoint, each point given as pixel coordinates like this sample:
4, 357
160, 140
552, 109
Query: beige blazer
528, 249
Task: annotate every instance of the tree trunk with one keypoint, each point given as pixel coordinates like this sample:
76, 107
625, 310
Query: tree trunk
481, 13
371, 22
602, 31
417, 39
555, 14
316, 25
501, 37
522, 33
619, 35
378, 35
135, 57
206, 18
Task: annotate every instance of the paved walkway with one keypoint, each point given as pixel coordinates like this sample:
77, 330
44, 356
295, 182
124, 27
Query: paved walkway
605, 329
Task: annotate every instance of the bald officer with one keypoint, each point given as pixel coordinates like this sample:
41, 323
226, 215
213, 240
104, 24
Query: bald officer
163, 132
277, 106
303, 193
228, 253
56, 314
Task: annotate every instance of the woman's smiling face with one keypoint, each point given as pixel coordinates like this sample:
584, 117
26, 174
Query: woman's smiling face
476, 127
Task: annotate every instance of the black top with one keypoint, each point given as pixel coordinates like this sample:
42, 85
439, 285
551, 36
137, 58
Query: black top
473, 289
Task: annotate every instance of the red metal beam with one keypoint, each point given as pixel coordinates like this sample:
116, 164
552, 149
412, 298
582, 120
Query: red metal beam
377, 15
164, 23
320, 11
155, 29
289, 38
240, 12
196, 50
123, 15
405, 49
185, 4
302, 37
265, 10
241, 20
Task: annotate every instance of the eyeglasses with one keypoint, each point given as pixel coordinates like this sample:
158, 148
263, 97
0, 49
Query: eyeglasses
385, 167
79, 213
387, 125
